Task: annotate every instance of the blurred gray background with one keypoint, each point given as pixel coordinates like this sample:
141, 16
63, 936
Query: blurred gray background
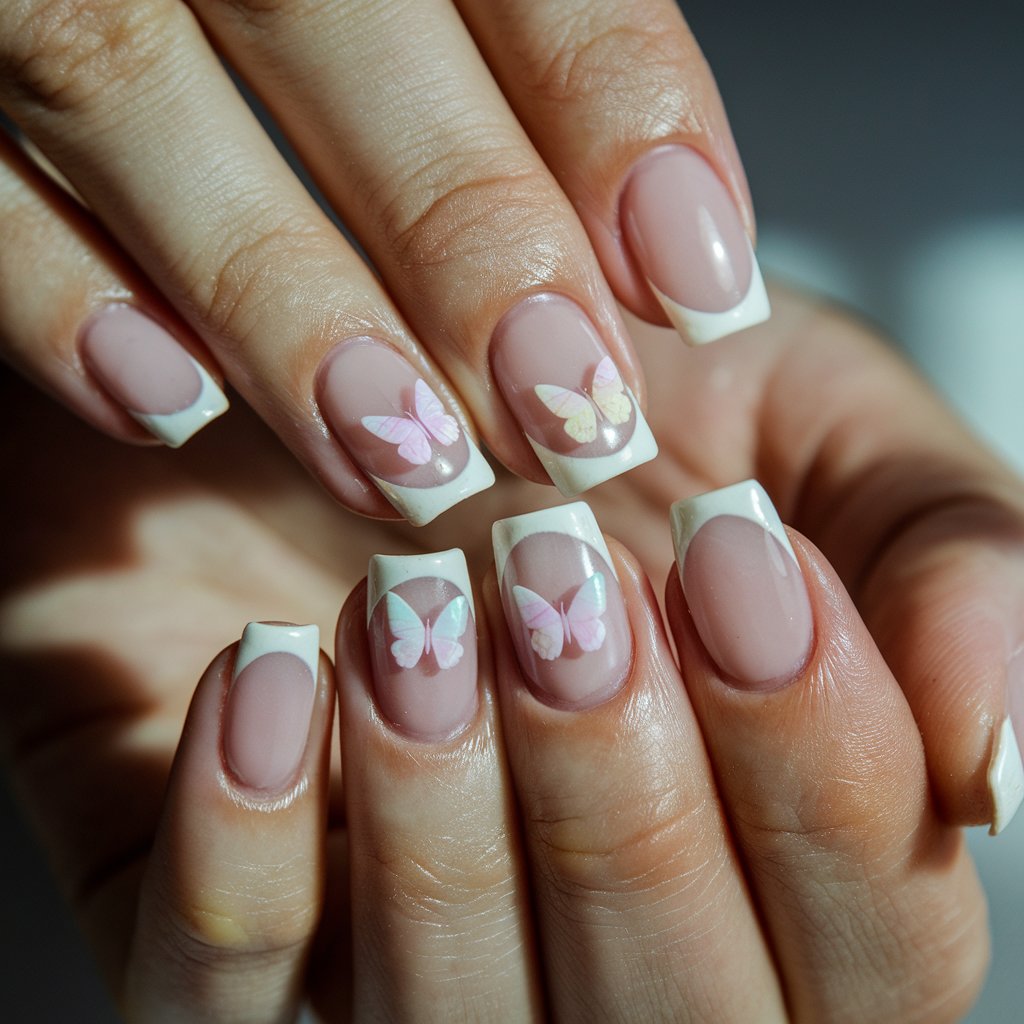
885, 149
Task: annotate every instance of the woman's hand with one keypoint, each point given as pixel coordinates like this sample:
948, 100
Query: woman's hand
127, 568
510, 168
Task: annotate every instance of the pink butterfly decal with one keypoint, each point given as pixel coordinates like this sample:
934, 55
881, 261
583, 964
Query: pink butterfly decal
415, 638
413, 431
552, 628
607, 398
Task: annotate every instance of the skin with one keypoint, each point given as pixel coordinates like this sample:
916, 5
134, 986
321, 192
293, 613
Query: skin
127, 568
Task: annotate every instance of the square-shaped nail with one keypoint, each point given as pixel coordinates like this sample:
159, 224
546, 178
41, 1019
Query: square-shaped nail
397, 430
270, 703
564, 389
422, 632
686, 235
563, 604
743, 585
144, 368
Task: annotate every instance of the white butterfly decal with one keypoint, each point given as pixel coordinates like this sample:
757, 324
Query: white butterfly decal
580, 411
552, 628
414, 638
413, 431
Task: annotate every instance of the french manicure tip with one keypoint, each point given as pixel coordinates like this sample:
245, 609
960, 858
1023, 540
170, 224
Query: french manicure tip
1005, 778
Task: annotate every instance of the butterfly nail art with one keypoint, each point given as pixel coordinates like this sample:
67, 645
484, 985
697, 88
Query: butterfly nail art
415, 638
552, 628
607, 398
412, 433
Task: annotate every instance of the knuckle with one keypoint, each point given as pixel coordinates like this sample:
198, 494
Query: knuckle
64, 54
263, 14
497, 210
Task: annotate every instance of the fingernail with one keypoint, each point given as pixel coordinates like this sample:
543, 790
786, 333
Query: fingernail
422, 629
743, 585
565, 391
396, 429
1005, 770
687, 237
270, 704
563, 604
144, 368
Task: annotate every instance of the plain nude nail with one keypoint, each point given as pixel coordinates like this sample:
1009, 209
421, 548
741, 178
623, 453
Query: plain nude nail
687, 237
743, 585
144, 368
270, 703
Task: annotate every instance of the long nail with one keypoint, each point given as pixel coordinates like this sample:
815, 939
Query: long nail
270, 704
422, 629
1005, 770
144, 368
395, 427
688, 240
743, 585
563, 604
564, 389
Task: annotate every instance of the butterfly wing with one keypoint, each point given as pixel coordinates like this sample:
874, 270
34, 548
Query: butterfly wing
407, 628
413, 444
585, 611
446, 631
547, 636
610, 393
580, 419
430, 412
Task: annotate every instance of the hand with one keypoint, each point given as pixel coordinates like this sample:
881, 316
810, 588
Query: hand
488, 157
128, 568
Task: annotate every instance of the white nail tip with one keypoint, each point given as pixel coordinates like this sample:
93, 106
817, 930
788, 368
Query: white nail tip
261, 638
1005, 778
575, 520
387, 571
573, 475
699, 327
175, 428
421, 505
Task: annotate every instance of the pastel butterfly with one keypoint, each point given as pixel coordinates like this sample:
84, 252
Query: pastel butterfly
413, 431
552, 628
607, 398
414, 638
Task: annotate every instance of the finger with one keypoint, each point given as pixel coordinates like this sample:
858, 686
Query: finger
872, 905
642, 906
233, 888
81, 323
439, 900
622, 106
133, 107
471, 233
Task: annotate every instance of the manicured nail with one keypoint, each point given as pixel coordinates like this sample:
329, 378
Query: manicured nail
563, 604
396, 429
1005, 769
145, 369
743, 585
269, 706
688, 240
422, 629
565, 391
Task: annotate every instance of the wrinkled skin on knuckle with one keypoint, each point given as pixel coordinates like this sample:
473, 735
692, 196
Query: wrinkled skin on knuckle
73, 55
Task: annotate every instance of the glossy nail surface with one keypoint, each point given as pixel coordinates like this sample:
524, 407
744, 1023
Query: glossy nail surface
422, 632
565, 391
147, 371
395, 427
743, 585
270, 703
563, 604
687, 237
1006, 771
